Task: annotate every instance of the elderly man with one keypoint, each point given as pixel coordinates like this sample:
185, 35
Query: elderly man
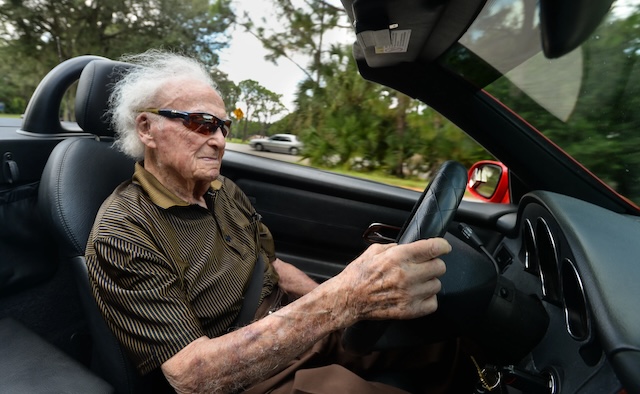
172, 251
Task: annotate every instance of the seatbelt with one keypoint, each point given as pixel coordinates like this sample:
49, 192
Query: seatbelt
252, 295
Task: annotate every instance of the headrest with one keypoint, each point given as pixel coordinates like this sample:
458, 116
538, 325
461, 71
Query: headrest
92, 97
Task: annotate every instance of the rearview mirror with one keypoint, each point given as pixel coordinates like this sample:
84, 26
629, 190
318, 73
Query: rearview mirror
489, 182
565, 25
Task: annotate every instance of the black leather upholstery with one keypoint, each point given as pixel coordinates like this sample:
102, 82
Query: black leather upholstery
79, 175
92, 96
29, 364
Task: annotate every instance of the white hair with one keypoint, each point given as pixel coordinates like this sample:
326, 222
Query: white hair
139, 87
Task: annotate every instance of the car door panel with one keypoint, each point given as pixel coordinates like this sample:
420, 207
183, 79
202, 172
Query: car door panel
314, 228
29, 155
318, 218
26, 253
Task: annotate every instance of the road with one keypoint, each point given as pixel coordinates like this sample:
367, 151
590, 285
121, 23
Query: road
244, 148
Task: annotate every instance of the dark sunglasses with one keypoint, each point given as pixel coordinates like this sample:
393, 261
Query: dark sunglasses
200, 122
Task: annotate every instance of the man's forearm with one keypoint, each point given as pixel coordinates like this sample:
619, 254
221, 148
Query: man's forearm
252, 353
292, 280
385, 282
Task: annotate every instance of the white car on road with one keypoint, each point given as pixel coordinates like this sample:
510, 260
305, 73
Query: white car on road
282, 143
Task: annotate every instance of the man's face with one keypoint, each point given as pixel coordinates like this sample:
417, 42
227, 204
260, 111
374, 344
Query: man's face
184, 157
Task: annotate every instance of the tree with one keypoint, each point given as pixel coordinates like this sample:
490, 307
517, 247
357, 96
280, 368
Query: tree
43, 33
605, 117
229, 91
259, 103
61, 29
344, 120
301, 33
358, 125
16, 83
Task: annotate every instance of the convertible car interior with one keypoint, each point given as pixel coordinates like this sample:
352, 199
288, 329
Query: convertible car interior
541, 282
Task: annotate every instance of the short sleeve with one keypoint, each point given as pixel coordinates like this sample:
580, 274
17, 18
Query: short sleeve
141, 297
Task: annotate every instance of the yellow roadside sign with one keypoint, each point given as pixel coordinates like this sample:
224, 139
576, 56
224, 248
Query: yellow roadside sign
238, 113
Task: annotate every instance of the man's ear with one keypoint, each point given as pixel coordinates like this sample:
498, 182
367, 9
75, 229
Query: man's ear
143, 128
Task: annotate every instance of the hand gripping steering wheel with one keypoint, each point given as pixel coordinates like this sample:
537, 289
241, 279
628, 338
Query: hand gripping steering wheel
430, 218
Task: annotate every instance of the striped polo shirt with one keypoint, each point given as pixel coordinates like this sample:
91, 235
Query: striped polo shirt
165, 272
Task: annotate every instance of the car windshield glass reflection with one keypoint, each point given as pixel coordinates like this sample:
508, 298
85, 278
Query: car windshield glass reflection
585, 102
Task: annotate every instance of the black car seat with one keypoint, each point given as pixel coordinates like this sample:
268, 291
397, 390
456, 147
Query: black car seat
80, 174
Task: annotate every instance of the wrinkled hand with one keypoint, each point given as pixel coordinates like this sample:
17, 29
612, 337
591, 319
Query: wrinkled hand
395, 281
385, 282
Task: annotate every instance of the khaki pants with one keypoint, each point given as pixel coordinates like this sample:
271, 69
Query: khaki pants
327, 368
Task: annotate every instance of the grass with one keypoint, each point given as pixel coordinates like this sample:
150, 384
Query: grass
376, 176
413, 184
10, 115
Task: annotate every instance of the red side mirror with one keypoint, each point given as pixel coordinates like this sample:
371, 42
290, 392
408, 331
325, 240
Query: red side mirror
489, 182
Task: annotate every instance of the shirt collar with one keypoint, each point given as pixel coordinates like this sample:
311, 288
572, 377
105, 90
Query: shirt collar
160, 195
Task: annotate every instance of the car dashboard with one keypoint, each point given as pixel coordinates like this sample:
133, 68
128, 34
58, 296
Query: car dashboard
580, 262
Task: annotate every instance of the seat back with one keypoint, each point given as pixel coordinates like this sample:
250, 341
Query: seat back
79, 175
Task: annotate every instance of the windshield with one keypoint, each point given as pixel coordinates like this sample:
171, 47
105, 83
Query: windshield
587, 102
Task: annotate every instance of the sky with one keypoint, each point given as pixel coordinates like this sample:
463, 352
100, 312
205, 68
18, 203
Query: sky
244, 59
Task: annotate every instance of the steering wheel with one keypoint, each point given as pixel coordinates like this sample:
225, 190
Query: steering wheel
430, 218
